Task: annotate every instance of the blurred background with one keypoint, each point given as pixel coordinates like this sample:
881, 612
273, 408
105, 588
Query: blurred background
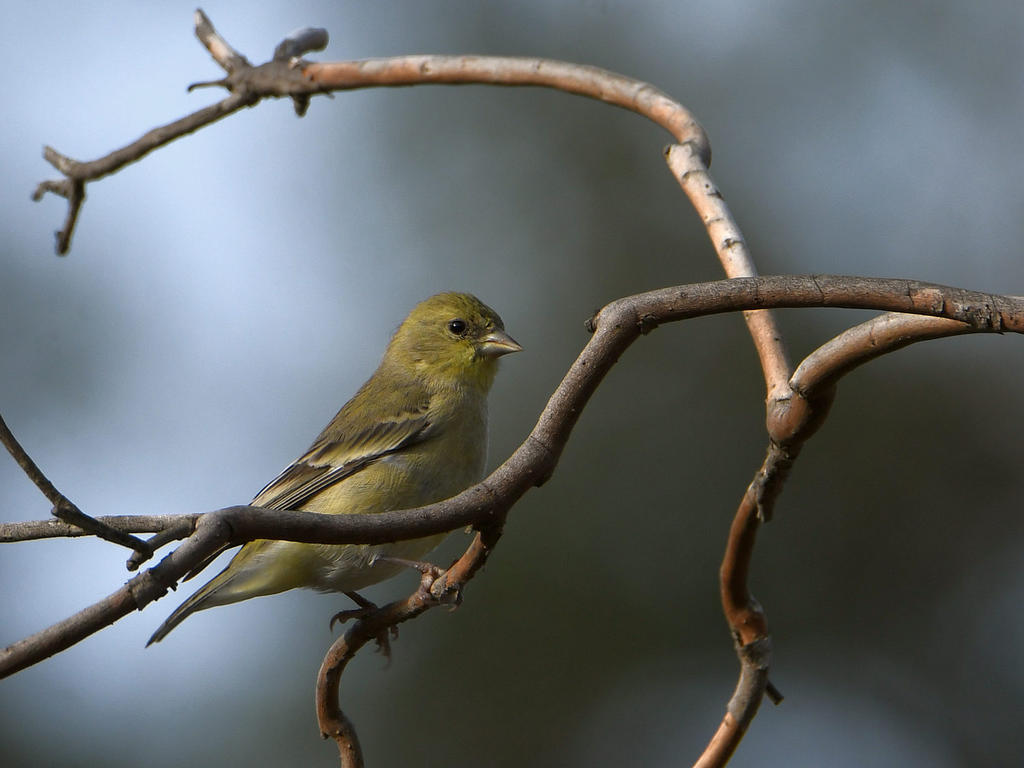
226, 295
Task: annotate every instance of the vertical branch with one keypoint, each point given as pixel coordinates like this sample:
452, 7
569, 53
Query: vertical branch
752, 685
693, 176
743, 613
333, 722
745, 617
435, 589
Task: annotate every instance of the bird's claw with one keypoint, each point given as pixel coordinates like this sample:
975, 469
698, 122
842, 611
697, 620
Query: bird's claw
366, 607
433, 585
350, 615
444, 592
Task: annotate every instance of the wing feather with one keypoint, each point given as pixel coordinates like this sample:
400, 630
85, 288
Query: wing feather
330, 460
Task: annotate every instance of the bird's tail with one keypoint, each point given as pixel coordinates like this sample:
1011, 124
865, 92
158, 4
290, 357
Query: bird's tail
249, 574
207, 596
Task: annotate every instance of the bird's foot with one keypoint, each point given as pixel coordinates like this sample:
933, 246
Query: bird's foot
432, 584
366, 607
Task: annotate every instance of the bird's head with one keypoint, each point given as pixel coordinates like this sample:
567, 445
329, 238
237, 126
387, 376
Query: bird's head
452, 339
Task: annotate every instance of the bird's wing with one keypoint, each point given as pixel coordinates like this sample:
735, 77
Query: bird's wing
331, 459
341, 450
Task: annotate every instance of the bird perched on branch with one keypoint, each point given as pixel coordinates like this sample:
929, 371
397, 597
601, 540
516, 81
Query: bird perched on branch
414, 433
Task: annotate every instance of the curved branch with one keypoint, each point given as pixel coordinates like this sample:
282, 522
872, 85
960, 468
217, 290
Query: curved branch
284, 76
695, 179
689, 158
823, 368
796, 415
615, 327
812, 388
442, 589
582, 80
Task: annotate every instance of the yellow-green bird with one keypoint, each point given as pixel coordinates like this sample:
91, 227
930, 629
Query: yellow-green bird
415, 433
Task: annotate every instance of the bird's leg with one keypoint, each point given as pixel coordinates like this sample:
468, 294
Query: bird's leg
365, 607
427, 569
431, 573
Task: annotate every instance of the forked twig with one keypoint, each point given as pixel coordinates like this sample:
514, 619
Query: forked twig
63, 508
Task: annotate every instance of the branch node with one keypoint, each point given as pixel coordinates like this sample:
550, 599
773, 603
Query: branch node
755, 659
148, 587
180, 530
794, 416
59, 187
71, 188
65, 511
545, 467
647, 323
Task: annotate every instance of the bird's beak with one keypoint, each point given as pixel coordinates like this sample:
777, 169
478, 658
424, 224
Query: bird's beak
498, 343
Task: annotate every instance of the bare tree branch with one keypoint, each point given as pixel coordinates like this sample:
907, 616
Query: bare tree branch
615, 327
797, 416
32, 530
288, 77
689, 159
755, 659
695, 180
858, 345
63, 508
435, 589
79, 173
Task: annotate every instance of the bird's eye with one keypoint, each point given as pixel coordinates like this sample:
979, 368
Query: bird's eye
456, 326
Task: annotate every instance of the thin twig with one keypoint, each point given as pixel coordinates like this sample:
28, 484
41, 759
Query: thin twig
31, 530
333, 721
63, 508
220, 50
78, 174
